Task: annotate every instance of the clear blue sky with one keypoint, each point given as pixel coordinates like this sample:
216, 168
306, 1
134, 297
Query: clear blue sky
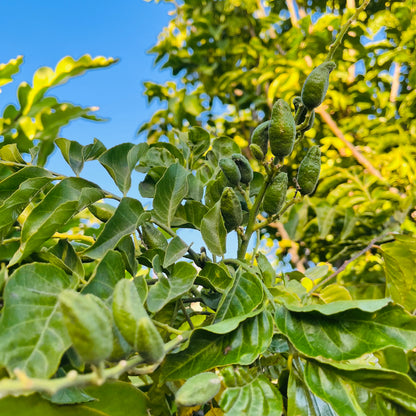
47, 30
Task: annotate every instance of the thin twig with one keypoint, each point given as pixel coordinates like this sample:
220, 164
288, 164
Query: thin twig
333, 47
361, 159
188, 319
345, 264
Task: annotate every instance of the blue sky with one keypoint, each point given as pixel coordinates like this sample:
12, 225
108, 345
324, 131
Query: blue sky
46, 31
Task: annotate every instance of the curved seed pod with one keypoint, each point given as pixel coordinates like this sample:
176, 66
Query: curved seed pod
260, 136
310, 122
275, 194
230, 170
231, 209
316, 85
89, 324
102, 211
151, 346
244, 167
152, 237
198, 389
309, 169
297, 102
256, 152
282, 131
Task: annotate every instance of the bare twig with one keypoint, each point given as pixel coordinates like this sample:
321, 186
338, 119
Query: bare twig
333, 47
396, 82
361, 159
345, 264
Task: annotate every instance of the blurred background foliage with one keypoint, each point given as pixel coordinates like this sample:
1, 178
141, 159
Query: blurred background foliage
231, 59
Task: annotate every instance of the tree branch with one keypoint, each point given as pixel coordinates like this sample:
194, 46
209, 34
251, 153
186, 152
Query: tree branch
291, 5
345, 264
396, 82
361, 159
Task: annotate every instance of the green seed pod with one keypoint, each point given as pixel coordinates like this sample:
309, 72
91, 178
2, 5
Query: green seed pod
151, 347
102, 211
275, 194
198, 389
310, 122
244, 167
152, 237
89, 324
316, 85
309, 169
231, 209
282, 131
260, 136
297, 102
256, 152
230, 170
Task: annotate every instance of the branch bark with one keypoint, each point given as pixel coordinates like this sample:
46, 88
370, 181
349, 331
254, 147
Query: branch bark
361, 159
291, 5
396, 82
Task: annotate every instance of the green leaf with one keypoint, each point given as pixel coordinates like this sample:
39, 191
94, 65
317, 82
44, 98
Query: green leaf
127, 217
214, 276
66, 199
170, 191
114, 398
199, 142
266, 269
64, 256
362, 391
72, 152
9, 69
21, 188
240, 300
208, 349
174, 251
107, 273
120, 160
10, 152
45, 77
399, 265
128, 251
189, 215
32, 320
258, 397
302, 402
168, 289
93, 151
213, 231
349, 334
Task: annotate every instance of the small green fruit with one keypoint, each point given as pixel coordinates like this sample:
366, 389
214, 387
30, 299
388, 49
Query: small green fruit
282, 131
230, 170
275, 194
152, 237
198, 389
244, 167
260, 136
309, 169
231, 209
256, 152
151, 346
89, 324
316, 85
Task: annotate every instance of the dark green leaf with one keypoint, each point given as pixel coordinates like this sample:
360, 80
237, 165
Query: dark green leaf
214, 276
208, 349
213, 231
348, 334
120, 161
66, 199
107, 273
169, 289
170, 191
174, 251
128, 216
72, 152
